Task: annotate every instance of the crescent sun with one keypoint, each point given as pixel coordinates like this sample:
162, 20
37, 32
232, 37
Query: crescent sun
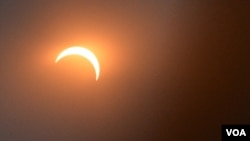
84, 53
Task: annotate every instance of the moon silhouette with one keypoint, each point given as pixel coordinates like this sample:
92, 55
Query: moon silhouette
76, 50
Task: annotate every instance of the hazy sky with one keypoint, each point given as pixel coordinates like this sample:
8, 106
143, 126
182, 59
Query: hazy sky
170, 70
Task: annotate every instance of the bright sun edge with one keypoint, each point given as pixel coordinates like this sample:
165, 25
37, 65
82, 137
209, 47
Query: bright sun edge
76, 50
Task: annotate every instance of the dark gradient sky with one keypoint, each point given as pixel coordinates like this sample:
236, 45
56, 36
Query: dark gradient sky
170, 70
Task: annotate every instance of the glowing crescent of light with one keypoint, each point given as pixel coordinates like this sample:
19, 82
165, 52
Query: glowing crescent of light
84, 53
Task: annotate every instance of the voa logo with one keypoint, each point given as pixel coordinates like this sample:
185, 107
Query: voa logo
236, 132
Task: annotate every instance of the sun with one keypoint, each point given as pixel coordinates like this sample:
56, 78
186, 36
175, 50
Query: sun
84, 52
